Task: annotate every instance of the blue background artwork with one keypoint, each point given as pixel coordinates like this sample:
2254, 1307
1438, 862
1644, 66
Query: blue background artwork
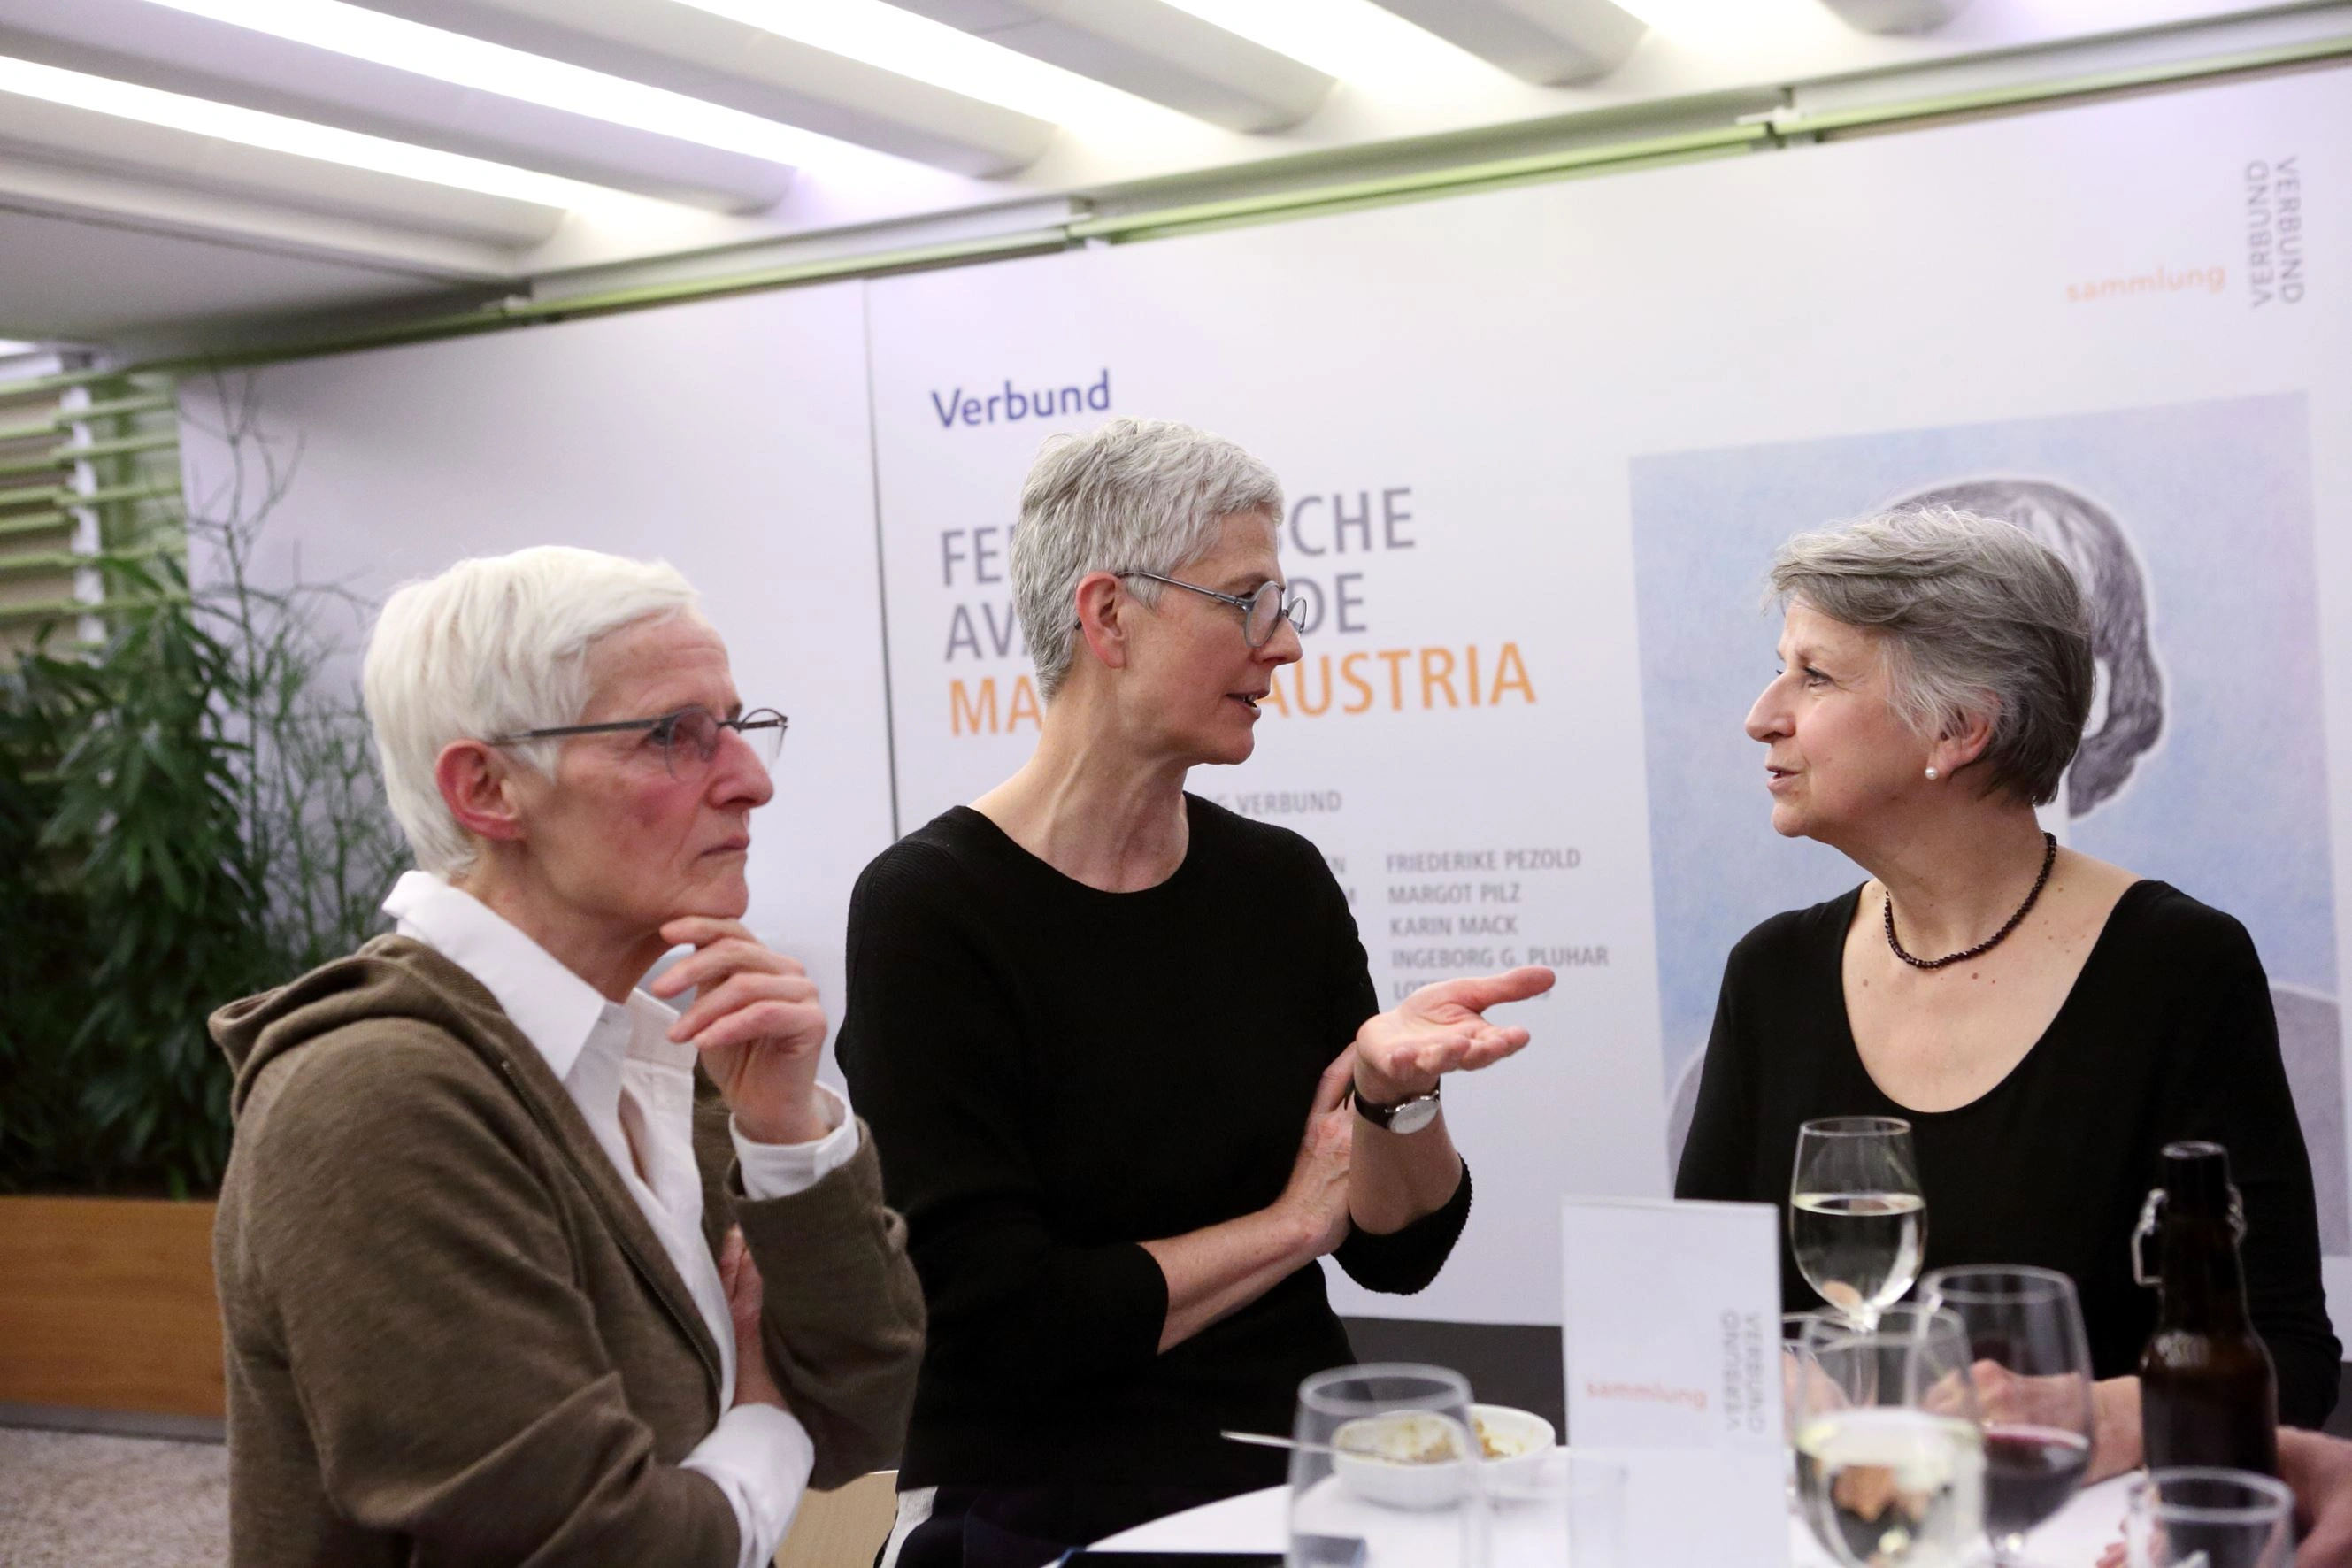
2230, 802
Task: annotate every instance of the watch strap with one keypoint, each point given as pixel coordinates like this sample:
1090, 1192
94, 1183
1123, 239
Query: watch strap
1384, 1116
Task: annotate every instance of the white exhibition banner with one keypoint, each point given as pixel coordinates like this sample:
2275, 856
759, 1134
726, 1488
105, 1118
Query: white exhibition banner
1539, 446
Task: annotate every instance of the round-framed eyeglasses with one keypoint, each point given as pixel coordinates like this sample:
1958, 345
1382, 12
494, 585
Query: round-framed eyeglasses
687, 738
1259, 610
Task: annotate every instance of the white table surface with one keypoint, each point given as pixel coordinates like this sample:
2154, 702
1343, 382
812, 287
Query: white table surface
1259, 1521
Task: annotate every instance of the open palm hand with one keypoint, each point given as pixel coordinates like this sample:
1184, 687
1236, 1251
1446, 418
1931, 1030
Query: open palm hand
1442, 1028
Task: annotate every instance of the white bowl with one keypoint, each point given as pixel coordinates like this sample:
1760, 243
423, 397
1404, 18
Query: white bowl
1403, 1464
1388, 1463
1517, 1441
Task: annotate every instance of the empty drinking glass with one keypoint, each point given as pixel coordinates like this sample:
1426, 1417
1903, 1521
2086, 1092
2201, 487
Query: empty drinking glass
1579, 1498
1388, 1449
2196, 1518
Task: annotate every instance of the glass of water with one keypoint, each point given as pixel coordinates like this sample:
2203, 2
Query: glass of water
2196, 1518
1387, 1450
1857, 1221
1890, 1456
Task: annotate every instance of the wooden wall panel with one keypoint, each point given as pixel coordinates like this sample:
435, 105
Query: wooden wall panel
107, 1304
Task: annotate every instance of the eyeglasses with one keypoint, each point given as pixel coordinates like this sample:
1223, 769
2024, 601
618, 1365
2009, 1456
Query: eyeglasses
687, 739
1259, 611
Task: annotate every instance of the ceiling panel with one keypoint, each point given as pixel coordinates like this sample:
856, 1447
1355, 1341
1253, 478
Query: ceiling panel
686, 50
132, 40
81, 280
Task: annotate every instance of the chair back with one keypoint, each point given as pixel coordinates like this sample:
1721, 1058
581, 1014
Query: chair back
844, 1528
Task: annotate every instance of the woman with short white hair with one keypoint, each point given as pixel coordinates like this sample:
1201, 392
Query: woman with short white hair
1108, 1031
2045, 1021
497, 1287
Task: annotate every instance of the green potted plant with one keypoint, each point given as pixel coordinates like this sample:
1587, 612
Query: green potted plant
188, 812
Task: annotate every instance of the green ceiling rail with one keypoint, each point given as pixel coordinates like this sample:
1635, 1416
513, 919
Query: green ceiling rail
1456, 180
42, 496
37, 430
528, 312
2095, 85
1624, 156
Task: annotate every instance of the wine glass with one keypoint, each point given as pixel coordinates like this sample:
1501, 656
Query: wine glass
2032, 1372
1856, 1218
1890, 1456
2199, 1517
1796, 1367
1390, 1445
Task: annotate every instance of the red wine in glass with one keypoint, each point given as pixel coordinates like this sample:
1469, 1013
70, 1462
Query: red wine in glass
2030, 1472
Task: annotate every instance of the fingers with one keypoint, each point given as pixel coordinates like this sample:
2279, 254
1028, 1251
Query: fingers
1479, 992
765, 1022
730, 1259
737, 991
1460, 1048
1337, 1079
723, 948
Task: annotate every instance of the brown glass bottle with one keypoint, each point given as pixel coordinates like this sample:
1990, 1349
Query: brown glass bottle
2207, 1394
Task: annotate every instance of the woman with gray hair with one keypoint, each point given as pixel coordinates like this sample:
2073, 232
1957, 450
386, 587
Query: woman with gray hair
2044, 1021
1109, 1032
517, 1262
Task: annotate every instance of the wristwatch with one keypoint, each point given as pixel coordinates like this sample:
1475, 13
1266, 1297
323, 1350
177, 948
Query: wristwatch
1409, 1114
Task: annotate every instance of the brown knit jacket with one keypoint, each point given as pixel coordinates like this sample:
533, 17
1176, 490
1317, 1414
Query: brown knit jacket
452, 1336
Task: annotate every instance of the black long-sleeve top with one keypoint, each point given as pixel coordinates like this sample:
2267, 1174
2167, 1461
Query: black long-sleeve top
1054, 1074
2166, 1034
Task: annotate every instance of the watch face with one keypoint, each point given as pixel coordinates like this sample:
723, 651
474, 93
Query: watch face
1415, 1114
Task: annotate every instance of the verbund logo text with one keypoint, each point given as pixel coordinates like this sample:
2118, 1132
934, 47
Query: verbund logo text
1020, 403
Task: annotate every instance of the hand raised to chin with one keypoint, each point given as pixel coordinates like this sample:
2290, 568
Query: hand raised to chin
1442, 1028
757, 1022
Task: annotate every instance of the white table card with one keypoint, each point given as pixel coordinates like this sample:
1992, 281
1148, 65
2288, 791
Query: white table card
1670, 1325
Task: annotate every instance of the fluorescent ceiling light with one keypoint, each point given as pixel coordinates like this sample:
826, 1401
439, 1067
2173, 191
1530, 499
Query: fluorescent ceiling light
10, 347
1354, 40
894, 40
253, 128
1725, 22
493, 67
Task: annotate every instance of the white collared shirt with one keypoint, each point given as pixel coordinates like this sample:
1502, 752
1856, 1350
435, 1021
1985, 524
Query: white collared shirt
634, 1088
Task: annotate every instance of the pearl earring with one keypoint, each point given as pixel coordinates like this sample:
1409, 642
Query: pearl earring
1931, 772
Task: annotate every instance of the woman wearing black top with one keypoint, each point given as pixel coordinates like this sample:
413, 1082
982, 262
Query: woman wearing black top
1089, 1017
2045, 1021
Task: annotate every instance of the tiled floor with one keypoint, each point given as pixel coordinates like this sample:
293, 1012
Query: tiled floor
69, 1499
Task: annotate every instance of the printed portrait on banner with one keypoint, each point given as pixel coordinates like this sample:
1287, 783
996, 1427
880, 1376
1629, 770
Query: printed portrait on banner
2204, 763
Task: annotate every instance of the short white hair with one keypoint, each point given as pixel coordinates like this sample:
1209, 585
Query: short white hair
1138, 495
493, 647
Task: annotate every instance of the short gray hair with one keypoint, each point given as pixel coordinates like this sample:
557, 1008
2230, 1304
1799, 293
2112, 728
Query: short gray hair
1979, 617
1138, 495
492, 647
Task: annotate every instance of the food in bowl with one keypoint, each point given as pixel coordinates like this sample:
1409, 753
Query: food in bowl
1493, 1445
1412, 1458
1513, 1444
